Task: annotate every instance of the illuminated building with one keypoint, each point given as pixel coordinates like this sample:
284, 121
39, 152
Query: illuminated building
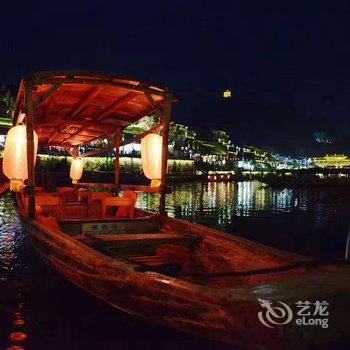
322, 137
332, 161
221, 137
7, 101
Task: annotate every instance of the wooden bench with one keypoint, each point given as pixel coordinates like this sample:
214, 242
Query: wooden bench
156, 263
141, 244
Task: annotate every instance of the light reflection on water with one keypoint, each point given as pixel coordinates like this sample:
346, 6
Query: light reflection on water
247, 198
312, 222
11, 236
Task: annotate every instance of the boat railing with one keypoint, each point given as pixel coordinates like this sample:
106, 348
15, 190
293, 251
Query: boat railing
110, 186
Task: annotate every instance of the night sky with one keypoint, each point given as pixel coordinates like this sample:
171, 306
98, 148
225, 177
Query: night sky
287, 63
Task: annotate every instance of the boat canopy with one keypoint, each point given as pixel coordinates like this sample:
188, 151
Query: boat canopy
74, 109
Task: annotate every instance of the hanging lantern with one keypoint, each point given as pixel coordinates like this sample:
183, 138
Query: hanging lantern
151, 157
76, 169
14, 163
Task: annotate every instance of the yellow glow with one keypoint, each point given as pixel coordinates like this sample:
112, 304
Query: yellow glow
332, 161
227, 94
15, 156
76, 169
151, 157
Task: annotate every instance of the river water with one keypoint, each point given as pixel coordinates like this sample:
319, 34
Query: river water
51, 313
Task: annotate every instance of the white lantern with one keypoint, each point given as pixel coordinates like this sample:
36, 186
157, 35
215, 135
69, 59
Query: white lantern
14, 163
76, 169
151, 157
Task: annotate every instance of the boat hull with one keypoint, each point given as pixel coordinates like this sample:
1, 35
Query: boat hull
229, 316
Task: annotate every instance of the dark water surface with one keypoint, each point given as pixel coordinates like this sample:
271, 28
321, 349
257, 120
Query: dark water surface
58, 315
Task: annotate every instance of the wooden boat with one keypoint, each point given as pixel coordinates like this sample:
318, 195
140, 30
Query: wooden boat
165, 270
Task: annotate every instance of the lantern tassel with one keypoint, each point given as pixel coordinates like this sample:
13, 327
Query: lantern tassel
156, 182
16, 185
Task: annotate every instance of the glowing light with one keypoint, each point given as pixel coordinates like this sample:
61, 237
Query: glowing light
15, 156
227, 94
76, 169
151, 158
332, 161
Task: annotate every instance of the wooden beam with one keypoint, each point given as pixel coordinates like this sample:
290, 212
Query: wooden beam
129, 96
139, 137
86, 100
157, 128
165, 141
138, 188
117, 139
29, 110
56, 121
154, 106
48, 95
109, 82
143, 188
84, 125
80, 106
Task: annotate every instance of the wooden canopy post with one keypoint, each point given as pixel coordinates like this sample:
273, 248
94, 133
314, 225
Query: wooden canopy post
29, 110
117, 139
74, 152
165, 141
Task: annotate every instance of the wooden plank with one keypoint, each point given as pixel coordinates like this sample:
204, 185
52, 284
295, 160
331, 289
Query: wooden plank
129, 96
37, 77
83, 102
141, 237
117, 139
57, 120
115, 226
86, 100
137, 188
48, 95
154, 106
129, 87
96, 185
104, 228
29, 107
297, 265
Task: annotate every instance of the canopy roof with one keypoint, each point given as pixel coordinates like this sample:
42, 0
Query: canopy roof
72, 109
